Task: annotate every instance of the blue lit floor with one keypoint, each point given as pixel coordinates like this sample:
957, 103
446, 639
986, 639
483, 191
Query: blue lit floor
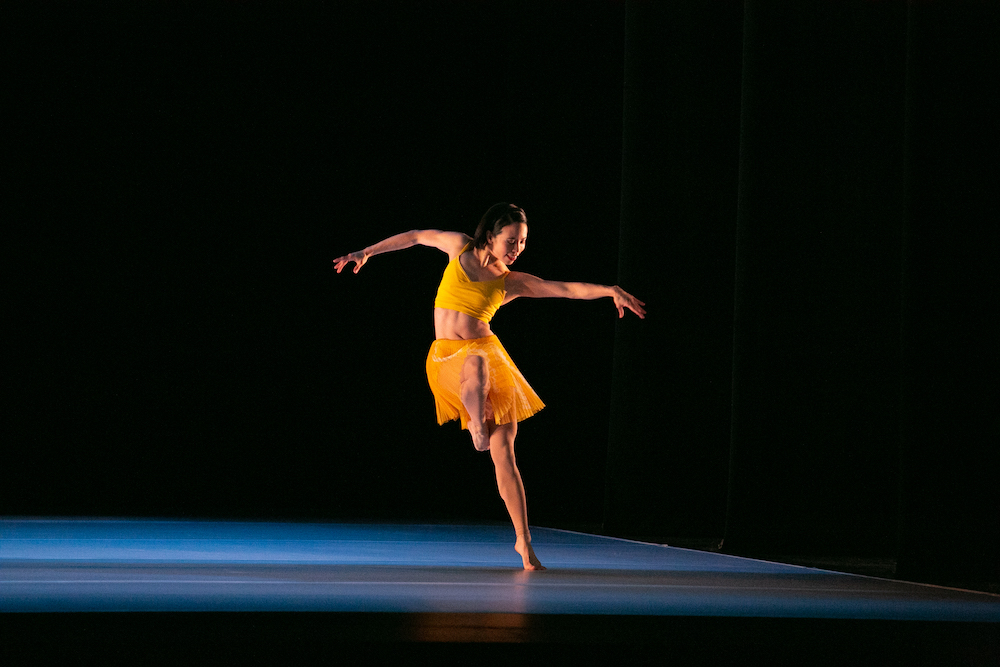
84, 565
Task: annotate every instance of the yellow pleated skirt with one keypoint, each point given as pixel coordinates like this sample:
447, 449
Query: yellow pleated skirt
510, 395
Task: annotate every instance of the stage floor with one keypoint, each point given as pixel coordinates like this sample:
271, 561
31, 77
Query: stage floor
100, 565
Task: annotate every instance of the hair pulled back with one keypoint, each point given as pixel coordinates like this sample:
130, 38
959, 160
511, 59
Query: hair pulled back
495, 219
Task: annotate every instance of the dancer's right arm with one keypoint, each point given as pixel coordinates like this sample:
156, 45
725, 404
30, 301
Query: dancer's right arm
450, 243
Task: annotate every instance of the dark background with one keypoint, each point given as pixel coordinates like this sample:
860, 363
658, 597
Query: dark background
802, 193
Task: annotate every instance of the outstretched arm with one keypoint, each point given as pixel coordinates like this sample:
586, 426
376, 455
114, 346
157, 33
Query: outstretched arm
525, 284
448, 242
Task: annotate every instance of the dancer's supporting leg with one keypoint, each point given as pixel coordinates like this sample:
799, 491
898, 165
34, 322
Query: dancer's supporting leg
475, 385
512, 490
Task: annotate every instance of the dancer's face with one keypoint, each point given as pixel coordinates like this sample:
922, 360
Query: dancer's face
509, 243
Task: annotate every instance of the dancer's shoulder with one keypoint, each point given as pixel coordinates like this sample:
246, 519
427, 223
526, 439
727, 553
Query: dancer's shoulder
450, 243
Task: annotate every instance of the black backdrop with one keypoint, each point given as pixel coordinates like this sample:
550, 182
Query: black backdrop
185, 175
800, 193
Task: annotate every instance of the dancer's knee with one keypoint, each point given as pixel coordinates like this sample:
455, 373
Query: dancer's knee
502, 440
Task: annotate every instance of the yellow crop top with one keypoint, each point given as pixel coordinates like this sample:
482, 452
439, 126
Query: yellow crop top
476, 298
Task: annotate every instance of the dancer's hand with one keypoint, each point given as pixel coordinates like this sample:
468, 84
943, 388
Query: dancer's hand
359, 259
625, 300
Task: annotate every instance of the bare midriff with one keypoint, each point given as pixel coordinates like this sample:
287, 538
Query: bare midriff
453, 325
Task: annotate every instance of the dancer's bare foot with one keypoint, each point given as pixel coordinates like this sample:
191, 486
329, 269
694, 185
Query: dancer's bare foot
523, 547
480, 436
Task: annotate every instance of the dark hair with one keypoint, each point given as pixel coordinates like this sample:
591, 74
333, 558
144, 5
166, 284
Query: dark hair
495, 219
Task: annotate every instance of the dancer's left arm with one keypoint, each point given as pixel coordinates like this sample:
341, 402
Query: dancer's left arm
524, 284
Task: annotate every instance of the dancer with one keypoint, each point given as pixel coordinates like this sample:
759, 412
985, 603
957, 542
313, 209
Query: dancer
472, 377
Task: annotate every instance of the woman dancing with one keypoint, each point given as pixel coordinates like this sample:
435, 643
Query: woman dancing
470, 373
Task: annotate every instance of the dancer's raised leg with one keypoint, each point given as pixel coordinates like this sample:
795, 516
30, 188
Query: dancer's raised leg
475, 385
512, 490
